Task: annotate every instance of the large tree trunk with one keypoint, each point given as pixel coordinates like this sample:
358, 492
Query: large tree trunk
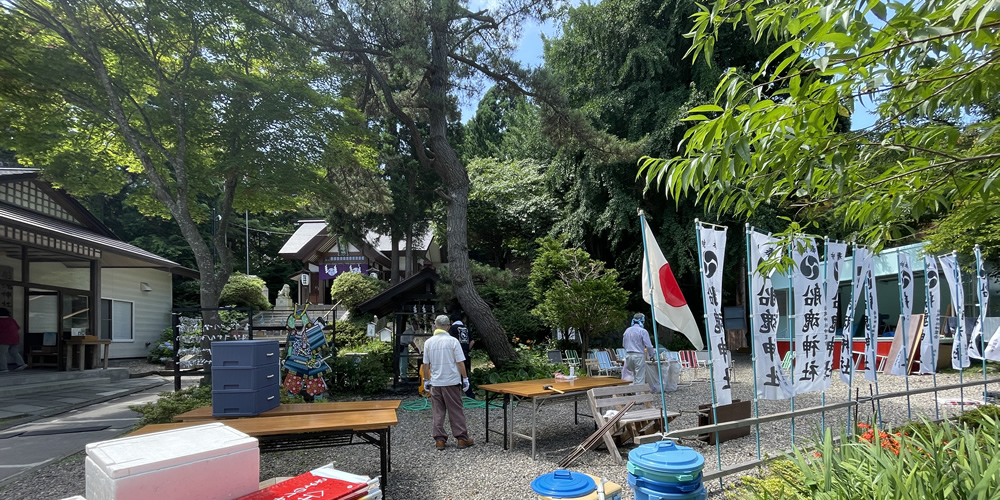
456, 179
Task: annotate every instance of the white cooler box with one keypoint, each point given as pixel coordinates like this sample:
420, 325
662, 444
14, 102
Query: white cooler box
205, 462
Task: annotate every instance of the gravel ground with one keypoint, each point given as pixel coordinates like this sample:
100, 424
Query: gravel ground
486, 471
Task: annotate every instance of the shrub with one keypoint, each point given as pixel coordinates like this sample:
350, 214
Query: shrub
163, 349
244, 291
171, 404
529, 365
357, 375
352, 289
351, 332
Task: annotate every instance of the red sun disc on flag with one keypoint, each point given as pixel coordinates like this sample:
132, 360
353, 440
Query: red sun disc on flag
671, 290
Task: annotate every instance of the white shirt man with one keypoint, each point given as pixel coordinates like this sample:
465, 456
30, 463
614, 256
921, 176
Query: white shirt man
446, 365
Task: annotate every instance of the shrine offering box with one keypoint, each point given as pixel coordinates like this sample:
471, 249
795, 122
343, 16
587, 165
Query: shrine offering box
205, 462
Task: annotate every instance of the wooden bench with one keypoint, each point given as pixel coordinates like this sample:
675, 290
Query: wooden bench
204, 413
312, 431
643, 418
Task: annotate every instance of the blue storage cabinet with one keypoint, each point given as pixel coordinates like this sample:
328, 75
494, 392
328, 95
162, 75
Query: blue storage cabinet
245, 375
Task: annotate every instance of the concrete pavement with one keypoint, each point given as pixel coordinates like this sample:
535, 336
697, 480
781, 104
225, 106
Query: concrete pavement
48, 425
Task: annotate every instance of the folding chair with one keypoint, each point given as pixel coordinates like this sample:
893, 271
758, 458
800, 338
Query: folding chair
572, 358
604, 364
786, 362
555, 357
689, 361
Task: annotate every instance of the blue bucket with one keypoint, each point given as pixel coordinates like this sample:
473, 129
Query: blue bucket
646, 489
666, 457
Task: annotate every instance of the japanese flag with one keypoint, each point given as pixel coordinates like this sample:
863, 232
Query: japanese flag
672, 310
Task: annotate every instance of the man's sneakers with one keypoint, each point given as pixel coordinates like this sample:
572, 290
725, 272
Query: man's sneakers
439, 445
19, 368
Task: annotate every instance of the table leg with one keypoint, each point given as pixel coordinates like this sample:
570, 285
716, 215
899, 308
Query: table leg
534, 424
506, 403
384, 457
83, 350
107, 352
388, 444
576, 411
487, 423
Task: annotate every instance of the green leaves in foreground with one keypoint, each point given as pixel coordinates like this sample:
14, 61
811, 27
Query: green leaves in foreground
945, 461
928, 72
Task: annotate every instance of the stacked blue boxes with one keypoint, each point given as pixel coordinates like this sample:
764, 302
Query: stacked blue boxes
245, 375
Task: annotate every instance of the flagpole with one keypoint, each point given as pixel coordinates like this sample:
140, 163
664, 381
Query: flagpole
873, 349
906, 331
711, 362
982, 313
652, 316
753, 337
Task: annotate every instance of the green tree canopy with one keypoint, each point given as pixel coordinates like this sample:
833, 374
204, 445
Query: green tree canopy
931, 72
209, 106
415, 58
576, 291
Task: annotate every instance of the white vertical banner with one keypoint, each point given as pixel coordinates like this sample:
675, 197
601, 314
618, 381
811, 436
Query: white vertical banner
976, 340
772, 381
871, 325
713, 246
899, 365
810, 354
932, 331
835, 253
859, 258
959, 348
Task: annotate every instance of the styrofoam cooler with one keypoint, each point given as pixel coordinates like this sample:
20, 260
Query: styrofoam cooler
205, 462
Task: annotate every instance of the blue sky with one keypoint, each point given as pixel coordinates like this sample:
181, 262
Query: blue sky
529, 52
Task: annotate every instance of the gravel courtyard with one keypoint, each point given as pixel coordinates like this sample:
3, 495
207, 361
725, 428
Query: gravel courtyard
486, 471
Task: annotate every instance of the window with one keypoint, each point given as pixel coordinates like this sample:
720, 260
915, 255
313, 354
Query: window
116, 320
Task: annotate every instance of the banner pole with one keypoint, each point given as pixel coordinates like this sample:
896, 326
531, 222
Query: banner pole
982, 289
652, 316
791, 334
906, 331
930, 333
959, 331
753, 338
711, 362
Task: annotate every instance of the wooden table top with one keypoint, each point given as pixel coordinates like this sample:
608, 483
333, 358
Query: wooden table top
533, 388
82, 341
366, 420
205, 412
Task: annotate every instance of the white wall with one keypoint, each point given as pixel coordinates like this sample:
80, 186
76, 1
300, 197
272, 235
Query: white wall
151, 310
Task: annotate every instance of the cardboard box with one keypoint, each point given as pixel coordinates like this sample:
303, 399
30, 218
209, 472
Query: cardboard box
326, 482
179, 464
